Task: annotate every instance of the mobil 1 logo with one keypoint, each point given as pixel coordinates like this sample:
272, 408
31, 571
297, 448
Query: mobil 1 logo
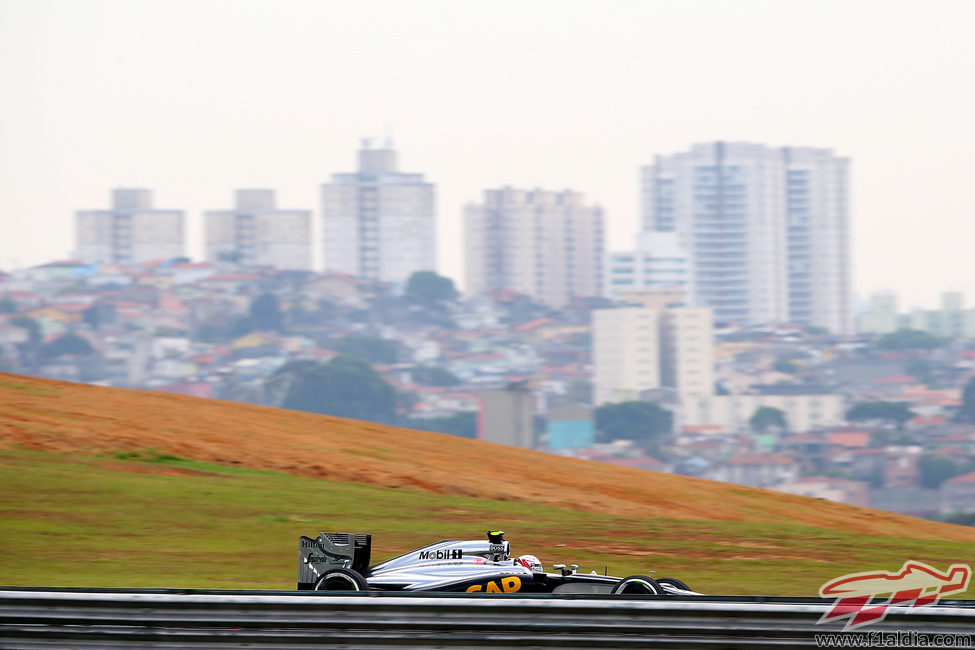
443, 554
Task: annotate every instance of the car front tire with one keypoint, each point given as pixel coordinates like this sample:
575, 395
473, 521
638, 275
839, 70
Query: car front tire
341, 580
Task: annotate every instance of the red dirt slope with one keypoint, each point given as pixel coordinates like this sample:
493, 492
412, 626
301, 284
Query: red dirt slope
63, 417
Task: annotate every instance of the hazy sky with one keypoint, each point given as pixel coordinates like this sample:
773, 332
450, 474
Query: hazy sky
196, 99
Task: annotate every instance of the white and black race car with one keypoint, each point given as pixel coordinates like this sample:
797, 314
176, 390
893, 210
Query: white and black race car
340, 562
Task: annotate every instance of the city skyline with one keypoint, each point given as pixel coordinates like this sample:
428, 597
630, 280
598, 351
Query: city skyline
105, 94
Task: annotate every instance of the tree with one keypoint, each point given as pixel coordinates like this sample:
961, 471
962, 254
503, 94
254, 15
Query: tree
33, 329
632, 421
463, 424
897, 412
266, 313
434, 376
241, 326
765, 417
967, 411
428, 288
68, 344
935, 470
368, 348
908, 339
920, 369
346, 387
787, 366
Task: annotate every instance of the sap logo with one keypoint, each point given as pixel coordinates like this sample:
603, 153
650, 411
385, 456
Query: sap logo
508, 585
445, 554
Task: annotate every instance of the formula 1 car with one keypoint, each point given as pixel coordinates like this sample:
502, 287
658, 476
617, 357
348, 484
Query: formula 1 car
340, 562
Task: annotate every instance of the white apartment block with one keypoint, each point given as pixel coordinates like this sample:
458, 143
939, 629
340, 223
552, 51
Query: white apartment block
727, 413
625, 353
548, 245
687, 350
635, 349
657, 263
881, 317
131, 232
767, 230
256, 233
378, 222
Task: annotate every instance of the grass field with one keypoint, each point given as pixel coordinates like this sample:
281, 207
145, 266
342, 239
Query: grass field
142, 518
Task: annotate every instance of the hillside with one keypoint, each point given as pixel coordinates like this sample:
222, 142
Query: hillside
64, 418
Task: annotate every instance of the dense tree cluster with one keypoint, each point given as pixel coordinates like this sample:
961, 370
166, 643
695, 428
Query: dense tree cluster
434, 376
907, 339
346, 387
897, 413
766, 417
967, 411
641, 421
429, 288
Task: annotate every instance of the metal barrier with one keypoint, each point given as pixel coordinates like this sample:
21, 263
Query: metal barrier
224, 619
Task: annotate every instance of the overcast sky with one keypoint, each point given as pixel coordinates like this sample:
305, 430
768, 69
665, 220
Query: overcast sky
196, 99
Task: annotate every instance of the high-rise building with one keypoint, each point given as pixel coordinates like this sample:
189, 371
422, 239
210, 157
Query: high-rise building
687, 350
548, 245
256, 233
131, 232
378, 222
625, 353
636, 349
767, 230
657, 263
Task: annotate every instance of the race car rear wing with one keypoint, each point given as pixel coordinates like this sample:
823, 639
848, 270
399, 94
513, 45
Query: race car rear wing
330, 550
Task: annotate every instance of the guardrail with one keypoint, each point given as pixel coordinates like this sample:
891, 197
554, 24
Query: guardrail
223, 619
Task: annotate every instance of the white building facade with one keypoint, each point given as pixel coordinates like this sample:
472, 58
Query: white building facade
548, 245
378, 222
729, 413
625, 353
635, 349
256, 233
767, 230
131, 232
687, 350
657, 263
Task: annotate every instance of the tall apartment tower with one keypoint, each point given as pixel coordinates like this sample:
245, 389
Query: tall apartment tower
639, 348
131, 232
548, 245
378, 222
767, 230
256, 233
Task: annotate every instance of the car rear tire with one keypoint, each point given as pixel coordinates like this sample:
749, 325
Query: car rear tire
341, 580
673, 582
636, 586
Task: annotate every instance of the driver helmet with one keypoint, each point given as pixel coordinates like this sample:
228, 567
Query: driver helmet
530, 562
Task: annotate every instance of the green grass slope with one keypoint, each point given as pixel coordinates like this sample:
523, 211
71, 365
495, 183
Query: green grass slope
102, 521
